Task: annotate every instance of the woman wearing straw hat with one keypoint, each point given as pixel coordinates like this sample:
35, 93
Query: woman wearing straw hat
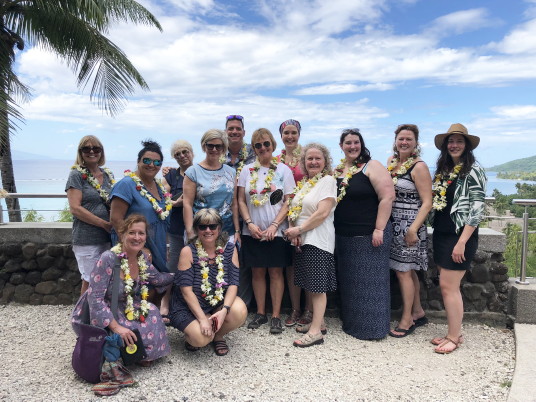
459, 189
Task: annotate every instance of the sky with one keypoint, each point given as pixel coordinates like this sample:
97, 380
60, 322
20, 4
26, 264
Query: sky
370, 64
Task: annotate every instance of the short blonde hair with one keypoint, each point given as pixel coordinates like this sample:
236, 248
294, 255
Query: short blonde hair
181, 144
209, 216
214, 134
261, 132
96, 143
325, 153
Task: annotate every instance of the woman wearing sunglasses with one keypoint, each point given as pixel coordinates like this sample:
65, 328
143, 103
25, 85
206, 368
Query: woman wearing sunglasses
88, 188
140, 192
263, 189
210, 184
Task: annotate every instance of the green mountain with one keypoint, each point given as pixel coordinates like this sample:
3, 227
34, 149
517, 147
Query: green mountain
518, 165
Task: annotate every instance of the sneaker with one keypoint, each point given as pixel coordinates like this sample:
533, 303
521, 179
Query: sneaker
275, 326
257, 321
292, 319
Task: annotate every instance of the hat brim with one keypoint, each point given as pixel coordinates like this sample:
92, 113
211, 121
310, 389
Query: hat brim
473, 139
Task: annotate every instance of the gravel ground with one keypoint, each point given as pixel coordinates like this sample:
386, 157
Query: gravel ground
36, 343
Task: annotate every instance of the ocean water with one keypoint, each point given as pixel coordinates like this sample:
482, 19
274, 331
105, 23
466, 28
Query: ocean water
50, 176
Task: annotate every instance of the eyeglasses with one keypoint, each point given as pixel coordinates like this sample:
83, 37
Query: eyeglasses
234, 117
183, 152
354, 131
155, 162
87, 150
211, 147
267, 144
212, 226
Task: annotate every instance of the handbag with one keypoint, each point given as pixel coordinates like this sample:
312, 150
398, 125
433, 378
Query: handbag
133, 353
87, 358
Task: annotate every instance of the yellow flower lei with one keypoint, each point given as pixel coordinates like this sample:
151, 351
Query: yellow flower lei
295, 155
130, 312
254, 172
402, 170
344, 184
86, 175
242, 155
304, 187
206, 287
162, 213
441, 183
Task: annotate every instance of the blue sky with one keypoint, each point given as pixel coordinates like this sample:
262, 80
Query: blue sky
335, 64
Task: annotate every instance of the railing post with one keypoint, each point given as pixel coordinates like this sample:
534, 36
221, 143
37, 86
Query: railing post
524, 240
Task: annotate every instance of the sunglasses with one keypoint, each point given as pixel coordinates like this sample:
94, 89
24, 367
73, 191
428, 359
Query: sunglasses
234, 117
267, 144
155, 162
183, 152
351, 131
87, 150
212, 226
211, 147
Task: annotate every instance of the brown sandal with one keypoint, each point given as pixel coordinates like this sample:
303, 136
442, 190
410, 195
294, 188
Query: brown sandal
303, 329
446, 341
439, 340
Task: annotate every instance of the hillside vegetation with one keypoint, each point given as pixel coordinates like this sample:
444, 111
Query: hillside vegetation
516, 166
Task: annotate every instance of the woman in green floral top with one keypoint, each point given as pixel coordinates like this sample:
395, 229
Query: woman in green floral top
459, 189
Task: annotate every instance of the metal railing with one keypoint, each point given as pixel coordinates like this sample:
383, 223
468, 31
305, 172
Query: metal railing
525, 238
28, 195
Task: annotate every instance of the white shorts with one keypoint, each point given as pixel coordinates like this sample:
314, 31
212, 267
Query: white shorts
87, 257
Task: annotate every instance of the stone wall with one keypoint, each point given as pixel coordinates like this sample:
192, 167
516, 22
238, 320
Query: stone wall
38, 267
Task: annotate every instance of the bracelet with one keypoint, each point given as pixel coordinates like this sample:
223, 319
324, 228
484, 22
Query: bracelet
249, 222
274, 224
300, 229
228, 308
237, 231
381, 230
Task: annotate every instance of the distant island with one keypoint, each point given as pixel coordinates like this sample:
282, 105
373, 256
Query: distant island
518, 169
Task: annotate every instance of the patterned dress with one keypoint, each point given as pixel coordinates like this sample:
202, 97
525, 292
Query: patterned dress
99, 295
405, 209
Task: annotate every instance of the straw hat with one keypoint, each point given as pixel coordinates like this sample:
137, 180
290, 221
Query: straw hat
457, 128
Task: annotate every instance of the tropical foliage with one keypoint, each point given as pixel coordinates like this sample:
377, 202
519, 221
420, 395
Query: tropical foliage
517, 165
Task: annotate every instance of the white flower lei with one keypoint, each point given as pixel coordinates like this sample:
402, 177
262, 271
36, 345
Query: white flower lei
130, 312
344, 184
402, 169
162, 213
439, 188
304, 187
206, 287
295, 155
254, 171
86, 175
242, 155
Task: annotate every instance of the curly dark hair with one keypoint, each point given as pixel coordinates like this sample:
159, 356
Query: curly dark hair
445, 163
150, 146
364, 156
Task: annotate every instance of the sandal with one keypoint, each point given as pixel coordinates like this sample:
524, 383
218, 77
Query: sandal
303, 329
309, 340
419, 322
190, 348
293, 318
166, 320
446, 341
439, 340
220, 347
402, 331
306, 318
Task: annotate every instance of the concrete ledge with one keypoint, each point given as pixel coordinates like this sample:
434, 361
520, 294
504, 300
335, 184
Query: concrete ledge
37, 232
522, 302
524, 383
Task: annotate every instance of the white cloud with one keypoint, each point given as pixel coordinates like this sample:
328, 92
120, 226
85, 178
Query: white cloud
334, 89
517, 112
520, 41
459, 22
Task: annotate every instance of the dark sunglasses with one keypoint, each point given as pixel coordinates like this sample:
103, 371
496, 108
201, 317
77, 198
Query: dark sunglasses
234, 117
217, 147
212, 226
183, 152
148, 161
267, 144
354, 131
87, 150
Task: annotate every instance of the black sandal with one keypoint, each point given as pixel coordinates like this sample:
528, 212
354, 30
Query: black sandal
220, 347
190, 348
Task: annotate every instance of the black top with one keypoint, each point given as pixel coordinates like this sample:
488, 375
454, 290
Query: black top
175, 180
356, 214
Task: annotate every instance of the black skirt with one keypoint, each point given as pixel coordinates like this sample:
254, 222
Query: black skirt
315, 270
444, 245
266, 254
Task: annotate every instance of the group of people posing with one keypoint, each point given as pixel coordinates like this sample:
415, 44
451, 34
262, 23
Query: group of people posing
238, 220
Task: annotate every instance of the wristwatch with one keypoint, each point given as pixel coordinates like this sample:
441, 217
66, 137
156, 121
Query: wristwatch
227, 307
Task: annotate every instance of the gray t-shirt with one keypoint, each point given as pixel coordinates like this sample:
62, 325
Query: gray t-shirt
85, 234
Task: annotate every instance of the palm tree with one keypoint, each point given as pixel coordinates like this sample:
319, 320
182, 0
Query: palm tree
74, 30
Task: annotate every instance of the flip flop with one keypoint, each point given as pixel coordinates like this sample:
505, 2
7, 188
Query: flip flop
405, 332
419, 322
164, 318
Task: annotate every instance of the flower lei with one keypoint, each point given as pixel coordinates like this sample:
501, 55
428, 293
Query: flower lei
441, 183
162, 213
254, 171
130, 312
86, 175
402, 170
304, 187
338, 173
242, 155
206, 287
295, 155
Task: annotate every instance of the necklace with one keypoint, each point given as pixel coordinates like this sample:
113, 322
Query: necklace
130, 312
295, 156
162, 213
338, 173
206, 287
254, 172
295, 201
441, 183
402, 170
86, 175
242, 155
